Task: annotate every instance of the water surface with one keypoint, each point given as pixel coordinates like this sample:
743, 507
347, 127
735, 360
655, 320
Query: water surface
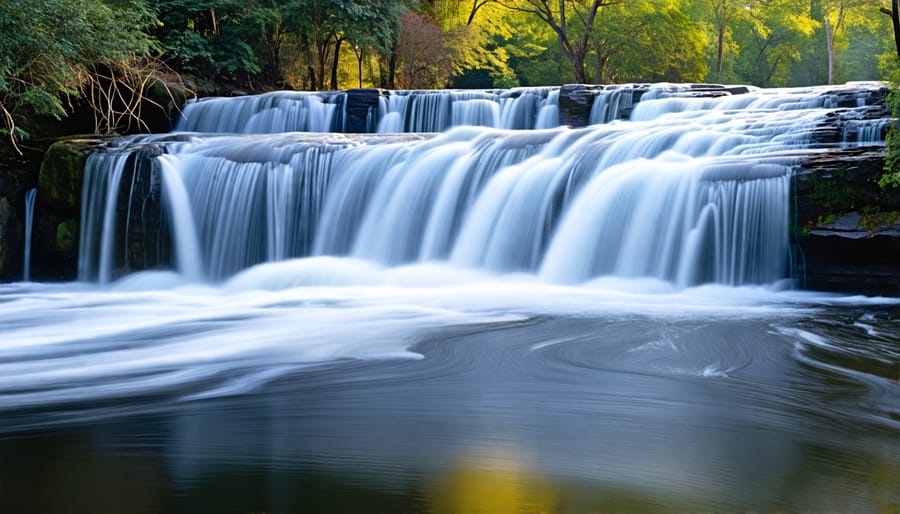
292, 388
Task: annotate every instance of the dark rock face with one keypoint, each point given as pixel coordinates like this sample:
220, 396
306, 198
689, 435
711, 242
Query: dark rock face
17, 175
846, 229
141, 228
58, 210
362, 107
61, 174
864, 265
6, 242
575, 102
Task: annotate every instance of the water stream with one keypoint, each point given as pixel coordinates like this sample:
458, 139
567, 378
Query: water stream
508, 315
30, 198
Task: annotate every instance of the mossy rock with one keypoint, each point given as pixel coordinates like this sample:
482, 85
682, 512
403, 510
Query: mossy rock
5, 217
61, 174
67, 237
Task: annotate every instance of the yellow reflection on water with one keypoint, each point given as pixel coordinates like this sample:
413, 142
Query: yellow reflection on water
496, 483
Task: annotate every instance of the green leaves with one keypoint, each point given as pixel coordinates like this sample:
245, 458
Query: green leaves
49, 48
209, 38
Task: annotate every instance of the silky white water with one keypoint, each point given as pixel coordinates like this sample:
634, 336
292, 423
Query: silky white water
692, 191
508, 314
30, 198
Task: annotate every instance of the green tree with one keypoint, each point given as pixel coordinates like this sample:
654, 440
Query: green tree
722, 18
573, 22
374, 29
866, 45
533, 52
317, 32
54, 50
648, 40
772, 40
839, 17
207, 38
475, 43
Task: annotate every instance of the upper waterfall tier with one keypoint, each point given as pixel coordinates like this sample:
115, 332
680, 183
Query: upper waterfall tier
383, 111
691, 190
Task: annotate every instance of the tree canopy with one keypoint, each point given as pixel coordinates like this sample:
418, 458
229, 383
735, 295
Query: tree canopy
106, 52
53, 50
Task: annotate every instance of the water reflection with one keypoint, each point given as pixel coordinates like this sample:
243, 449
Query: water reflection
419, 405
499, 483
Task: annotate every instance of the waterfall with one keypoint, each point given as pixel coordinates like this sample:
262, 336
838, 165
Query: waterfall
611, 104
187, 247
270, 113
436, 111
668, 184
30, 198
395, 111
99, 221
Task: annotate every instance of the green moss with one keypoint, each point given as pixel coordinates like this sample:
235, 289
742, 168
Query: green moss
874, 219
61, 174
66, 237
825, 219
832, 194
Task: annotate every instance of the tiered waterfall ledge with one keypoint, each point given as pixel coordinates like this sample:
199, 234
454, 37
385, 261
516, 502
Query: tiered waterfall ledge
846, 227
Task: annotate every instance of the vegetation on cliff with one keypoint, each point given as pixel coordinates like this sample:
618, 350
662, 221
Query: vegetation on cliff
113, 57
56, 53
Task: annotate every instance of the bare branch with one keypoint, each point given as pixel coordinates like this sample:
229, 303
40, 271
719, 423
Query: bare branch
11, 127
476, 5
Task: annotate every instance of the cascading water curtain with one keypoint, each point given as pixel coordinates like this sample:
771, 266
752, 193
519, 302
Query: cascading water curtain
689, 190
30, 199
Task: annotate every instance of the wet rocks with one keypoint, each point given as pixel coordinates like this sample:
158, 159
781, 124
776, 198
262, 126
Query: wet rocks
845, 227
362, 110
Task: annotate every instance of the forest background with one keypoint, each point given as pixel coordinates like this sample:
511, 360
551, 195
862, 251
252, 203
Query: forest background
113, 57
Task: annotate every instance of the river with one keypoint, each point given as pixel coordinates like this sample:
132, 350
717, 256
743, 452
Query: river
463, 390
511, 318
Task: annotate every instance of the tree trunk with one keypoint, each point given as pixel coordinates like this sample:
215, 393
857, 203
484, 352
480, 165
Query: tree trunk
334, 64
392, 69
322, 53
580, 75
310, 63
829, 42
720, 52
895, 20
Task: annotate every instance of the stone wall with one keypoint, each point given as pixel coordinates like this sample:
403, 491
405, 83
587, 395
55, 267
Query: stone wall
845, 227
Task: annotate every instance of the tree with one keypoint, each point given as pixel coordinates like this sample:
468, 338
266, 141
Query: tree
207, 38
533, 53
374, 29
318, 31
772, 39
891, 176
648, 40
838, 16
894, 13
425, 58
54, 50
264, 29
573, 22
723, 17
476, 43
